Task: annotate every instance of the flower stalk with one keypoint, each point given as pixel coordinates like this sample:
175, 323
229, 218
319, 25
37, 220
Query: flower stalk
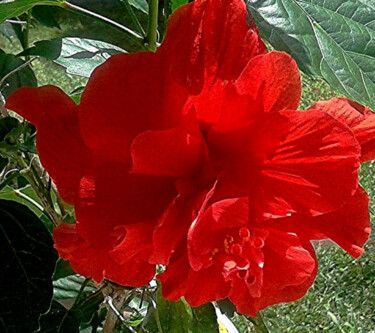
152, 28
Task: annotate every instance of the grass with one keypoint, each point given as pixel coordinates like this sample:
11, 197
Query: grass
343, 296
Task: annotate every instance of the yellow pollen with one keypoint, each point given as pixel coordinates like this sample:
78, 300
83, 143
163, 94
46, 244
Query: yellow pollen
214, 251
226, 246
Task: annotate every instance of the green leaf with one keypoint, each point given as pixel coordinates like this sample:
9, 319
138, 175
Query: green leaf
50, 49
27, 260
45, 15
34, 204
62, 320
81, 56
62, 270
6, 125
141, 5
12, 8
180, 317
58, 320
22, 78
332, 39
69, 287
205, 319
178, 3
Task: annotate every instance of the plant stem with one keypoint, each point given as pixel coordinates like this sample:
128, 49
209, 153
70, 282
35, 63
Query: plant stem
152, 28
119, 26
259, 325
133, 17
40, 190
113, 314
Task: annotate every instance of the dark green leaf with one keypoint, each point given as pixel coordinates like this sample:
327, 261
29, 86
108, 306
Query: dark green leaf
58, 320
10, 130
141, 5
331, 39
3, 163
62, 320
50, 49
81, 56
226, 307
22, 78
180, 317
204, 319
14, 8
178, 3
6, 125
28, 260
45, 15
63, 269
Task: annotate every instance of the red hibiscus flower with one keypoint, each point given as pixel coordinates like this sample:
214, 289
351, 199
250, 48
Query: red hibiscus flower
131, 102
203, 130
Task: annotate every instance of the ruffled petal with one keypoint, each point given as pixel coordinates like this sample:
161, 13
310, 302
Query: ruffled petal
127, 95
59, 142
179, 280
273, 79
289, 270
360, 119
290, 161
314, 168
99, 263
349, 226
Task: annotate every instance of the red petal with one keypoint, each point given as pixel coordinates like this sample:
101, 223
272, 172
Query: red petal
112, 197
349, 226
132, 254
361, 120
127, 95
314, 167
59, 142
290, 161
171, 153
273, 79
99, 263
172, 228
209, 40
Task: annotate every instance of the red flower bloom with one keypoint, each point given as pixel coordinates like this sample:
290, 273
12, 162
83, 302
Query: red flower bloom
131, 102
204, 130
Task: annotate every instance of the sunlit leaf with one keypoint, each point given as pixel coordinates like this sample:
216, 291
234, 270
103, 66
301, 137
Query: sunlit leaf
332, 39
